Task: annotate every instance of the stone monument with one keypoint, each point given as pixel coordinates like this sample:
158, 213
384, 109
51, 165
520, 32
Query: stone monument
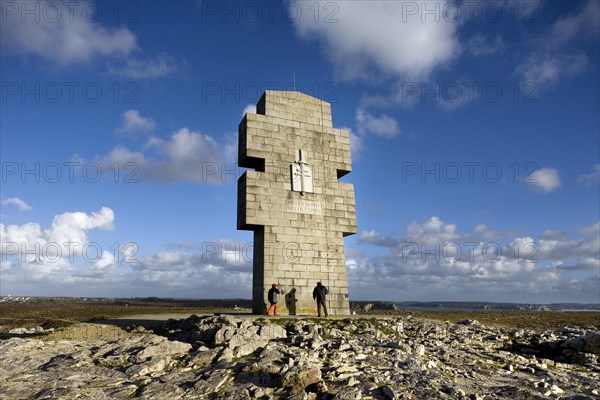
293, 201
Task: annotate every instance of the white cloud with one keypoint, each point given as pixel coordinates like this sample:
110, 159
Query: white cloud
383, 125
220, 269
65, 238
65, 35
482, 45
380, 34
369, 235
590, 230
486, 232
145, 68
133, 122
545, 180
583, 25
555, 54
553, 235
375, 238
452, 99
186, 156
223, 268
555, 245
230, 148
591, 178
582, 264
15, 201
446, 268
65, 40
356, 146
547, 68
163, 260
250, 108
430, 231
215, 272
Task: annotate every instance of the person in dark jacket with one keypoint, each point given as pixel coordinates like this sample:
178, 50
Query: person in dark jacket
273, 297
319, 294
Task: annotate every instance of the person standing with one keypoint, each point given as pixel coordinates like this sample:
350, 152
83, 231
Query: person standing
319, 294
273, 297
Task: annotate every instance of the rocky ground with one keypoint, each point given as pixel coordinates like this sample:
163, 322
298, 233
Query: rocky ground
225, 357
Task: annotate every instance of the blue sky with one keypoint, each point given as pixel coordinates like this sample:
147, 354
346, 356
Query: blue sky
474, 132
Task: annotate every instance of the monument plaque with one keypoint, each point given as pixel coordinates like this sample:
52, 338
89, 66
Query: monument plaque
304, 207
293, 201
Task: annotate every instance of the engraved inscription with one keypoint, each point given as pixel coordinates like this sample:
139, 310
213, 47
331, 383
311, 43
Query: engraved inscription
304, 207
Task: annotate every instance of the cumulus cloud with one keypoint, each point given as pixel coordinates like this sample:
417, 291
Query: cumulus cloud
217, 269
15, 201
383, 125
590, 178
71, 35
582, 25
431, 230
545, 180
374, 237
133, 122
433, 260
486, 232
65, 38
590, 230
546, 68
145, 68
484, 45
357, 145
250, 108
553, 235
368, 124
186, 156
66, 237
222, 268
380, 34
582, 264
556, 54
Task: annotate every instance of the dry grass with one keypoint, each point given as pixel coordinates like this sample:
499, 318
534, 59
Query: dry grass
53, 313
536, 320
50, 313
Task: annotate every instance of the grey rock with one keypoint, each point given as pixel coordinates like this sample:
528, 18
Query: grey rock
21, 331
226, 357
297, 380
589, 343
349, 394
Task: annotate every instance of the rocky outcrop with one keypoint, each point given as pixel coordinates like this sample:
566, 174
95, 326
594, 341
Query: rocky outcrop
579, 348
224, 357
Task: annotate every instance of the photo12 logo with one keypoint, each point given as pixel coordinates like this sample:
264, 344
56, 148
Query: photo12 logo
69, 92
292, 251
453, 93
54, 252
120, 12
252, 12
451, 252
68, 171
467, 171
251, 92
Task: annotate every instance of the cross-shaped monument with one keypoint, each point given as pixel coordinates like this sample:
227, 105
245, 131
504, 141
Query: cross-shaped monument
293, 201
